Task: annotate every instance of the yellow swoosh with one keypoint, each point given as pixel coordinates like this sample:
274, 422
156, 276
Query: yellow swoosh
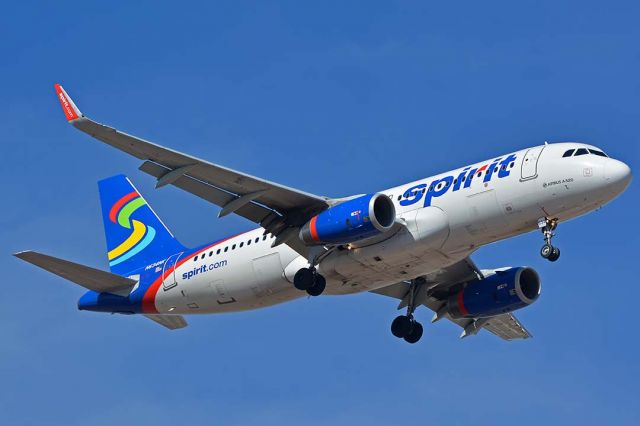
134, 238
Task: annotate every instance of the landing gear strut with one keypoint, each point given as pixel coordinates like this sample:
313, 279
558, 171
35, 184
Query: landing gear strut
548, 251
309, 280
405, 326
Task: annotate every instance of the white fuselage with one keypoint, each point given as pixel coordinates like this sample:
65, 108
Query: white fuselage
437, 226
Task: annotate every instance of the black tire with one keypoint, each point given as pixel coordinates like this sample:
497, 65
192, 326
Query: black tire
318, 286
303, 279
416, 333
555, 255
546, 251
401, 326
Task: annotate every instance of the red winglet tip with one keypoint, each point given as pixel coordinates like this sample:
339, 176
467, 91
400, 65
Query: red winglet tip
68, 107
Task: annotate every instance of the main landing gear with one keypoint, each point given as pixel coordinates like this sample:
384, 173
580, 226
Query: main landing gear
547, 226
309, 280
405, 326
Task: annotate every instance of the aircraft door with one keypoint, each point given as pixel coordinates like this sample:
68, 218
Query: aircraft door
530, 163
169, 272
268, 273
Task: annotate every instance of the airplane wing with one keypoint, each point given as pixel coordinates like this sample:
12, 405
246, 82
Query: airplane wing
279, 209
434, 294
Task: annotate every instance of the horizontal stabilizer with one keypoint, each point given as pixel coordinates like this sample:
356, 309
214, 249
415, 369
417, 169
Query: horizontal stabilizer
172, 322
87, 277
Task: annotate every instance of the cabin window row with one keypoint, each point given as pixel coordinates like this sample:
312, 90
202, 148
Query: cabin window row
234, 246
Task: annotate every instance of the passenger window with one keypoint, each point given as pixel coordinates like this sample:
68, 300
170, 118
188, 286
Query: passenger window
226, 248
513, 164
211, 253
218, 252
568, 153
195, 258
241, 244
264, 237
581, 151
249, 242
233, 247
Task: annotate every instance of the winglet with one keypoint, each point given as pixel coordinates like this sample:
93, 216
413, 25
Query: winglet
70, 109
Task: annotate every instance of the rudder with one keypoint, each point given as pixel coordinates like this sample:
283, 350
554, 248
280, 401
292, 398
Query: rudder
136, 237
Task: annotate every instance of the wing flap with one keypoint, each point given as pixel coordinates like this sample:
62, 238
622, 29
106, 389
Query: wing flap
85, 276
252, 211
507, 327
172, 322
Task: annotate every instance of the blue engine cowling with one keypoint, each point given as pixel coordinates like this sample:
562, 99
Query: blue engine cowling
351, 221
504, 291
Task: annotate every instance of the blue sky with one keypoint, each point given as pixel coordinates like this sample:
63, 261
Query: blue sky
335, 99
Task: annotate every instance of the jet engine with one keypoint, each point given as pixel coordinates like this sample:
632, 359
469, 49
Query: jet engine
504, 291
353, 220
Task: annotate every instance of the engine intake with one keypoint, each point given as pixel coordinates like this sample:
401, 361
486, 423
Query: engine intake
351, 221
504, 291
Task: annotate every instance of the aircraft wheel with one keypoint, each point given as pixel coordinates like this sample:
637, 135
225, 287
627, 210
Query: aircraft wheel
401, 326
555, 255
303, 279
546, 251
415, 334
319, 284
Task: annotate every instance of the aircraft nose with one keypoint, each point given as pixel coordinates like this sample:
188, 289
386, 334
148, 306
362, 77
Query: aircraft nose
617, 173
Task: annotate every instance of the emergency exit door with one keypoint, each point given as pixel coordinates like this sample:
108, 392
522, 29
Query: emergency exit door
169, 272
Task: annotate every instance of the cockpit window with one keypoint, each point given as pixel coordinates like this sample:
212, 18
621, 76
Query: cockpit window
568, 153
581, 151
596, 152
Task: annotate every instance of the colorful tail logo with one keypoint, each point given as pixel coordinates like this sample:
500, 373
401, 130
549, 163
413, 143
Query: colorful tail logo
141, 236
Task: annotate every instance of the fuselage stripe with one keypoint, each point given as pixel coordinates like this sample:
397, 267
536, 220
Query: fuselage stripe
149, 298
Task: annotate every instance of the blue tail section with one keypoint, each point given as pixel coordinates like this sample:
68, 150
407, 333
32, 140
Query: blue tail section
136, 237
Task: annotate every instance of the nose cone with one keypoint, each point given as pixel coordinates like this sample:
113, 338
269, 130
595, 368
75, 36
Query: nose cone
617, 174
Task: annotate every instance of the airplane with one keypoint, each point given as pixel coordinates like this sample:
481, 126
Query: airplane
411, 242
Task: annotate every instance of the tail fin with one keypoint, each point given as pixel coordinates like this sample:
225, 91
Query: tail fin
136, 237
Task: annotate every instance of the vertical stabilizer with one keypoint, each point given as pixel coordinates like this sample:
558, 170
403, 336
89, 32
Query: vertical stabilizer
136, 237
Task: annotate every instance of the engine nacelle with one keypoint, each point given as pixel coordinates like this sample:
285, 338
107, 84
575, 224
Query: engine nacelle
504, 291
351, 221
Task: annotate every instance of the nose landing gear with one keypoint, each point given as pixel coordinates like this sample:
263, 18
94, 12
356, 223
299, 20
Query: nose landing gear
405, 326
548, 251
